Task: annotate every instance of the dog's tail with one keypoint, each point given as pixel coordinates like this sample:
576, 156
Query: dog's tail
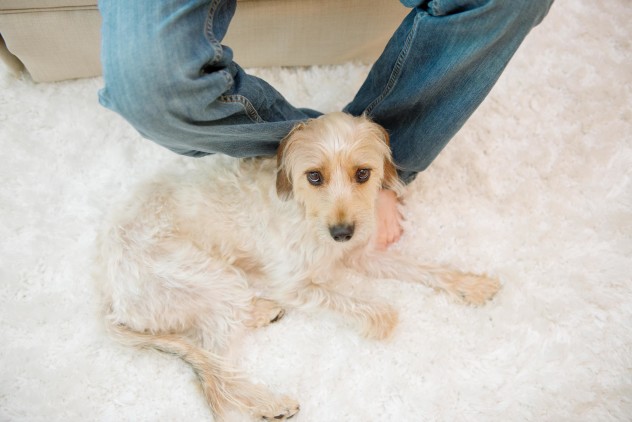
212, 371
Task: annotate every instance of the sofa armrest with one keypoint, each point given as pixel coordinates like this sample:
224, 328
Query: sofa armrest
14, 64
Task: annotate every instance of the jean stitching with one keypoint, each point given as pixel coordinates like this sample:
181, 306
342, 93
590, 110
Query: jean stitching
251, 112
208, 31
399, 63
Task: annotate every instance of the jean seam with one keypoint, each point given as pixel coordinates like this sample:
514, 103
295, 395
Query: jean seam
208, 31
399, 63
250, 110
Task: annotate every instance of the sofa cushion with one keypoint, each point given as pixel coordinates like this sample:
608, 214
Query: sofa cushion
60, 39
53, 43
25, 5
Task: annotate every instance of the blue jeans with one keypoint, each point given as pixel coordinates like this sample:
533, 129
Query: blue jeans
166, 72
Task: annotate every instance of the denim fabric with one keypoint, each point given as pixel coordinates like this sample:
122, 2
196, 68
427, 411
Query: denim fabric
167, 73
438, 67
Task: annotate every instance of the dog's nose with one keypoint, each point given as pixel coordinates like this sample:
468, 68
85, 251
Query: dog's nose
341, 232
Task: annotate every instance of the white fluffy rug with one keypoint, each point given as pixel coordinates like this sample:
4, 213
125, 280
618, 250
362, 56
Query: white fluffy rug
535, 189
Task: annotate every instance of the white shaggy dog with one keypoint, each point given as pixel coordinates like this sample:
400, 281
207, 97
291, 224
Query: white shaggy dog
198, 253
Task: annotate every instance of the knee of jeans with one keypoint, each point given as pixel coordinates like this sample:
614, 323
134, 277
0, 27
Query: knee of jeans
154, 96
133, 91
522, 13
500, 12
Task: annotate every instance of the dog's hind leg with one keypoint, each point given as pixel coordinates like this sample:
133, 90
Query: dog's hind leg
470, 288
223, 388
176, 296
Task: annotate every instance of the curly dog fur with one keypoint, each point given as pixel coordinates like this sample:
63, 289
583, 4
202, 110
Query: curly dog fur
198, 253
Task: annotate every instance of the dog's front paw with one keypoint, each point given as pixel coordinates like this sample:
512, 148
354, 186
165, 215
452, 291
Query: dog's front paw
264, 312
474, 289
379, 321
282, 409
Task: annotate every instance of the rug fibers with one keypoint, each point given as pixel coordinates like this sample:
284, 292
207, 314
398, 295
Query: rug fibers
535, 189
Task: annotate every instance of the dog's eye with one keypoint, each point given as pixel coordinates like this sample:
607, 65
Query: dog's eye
362, 175
315, 178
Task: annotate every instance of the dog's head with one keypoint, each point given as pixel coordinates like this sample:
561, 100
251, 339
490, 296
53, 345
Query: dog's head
335, 166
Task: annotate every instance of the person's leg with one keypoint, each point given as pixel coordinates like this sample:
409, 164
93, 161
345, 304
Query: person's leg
437, 68
167, 74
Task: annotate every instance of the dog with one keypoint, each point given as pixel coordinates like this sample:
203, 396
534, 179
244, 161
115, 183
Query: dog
198, 253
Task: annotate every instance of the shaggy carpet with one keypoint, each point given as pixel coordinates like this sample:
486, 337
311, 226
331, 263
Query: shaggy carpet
535, 189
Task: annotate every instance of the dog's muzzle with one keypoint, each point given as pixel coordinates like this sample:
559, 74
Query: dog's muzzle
342, 232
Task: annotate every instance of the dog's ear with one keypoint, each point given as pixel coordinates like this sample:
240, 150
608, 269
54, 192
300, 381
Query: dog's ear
283, 184
391, 179
283, 180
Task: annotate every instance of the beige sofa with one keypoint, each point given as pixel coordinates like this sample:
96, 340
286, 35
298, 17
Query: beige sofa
59, 39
